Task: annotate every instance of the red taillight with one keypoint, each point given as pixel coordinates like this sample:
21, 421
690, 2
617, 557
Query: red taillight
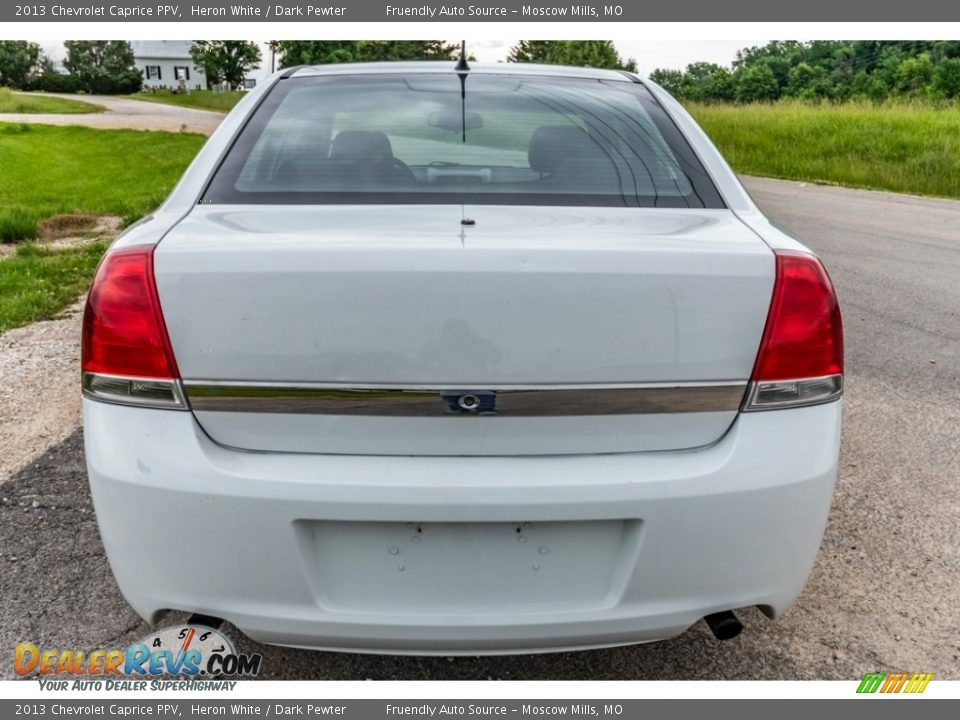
126, 356
801, 355
804, 333
123, 329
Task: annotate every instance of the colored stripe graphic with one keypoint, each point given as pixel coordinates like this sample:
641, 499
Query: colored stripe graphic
870, 683
918, 683
888, 683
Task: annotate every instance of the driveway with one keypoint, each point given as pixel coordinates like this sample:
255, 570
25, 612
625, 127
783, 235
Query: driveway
129, 114
883, 594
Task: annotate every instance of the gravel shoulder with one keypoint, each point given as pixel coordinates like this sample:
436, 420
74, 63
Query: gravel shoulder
39, 388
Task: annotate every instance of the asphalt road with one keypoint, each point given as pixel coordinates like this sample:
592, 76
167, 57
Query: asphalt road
123, 113
884, 595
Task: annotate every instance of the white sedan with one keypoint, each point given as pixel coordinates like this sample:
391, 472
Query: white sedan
419, 358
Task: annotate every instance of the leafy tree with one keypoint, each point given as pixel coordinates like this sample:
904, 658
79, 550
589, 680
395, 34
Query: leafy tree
379, 50
18, 61
756, 83
532, 51
943, 49
225, 61
674, 82
946, 78
45, 66
824, 69
808, 83
877, 89
709, 82
582, 53
314, 52
914, 73
103, 66
322, 52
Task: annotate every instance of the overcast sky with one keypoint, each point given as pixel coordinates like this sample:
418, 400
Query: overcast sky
649, 55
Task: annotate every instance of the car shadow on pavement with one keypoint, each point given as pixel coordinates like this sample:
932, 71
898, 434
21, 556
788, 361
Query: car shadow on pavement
56, 590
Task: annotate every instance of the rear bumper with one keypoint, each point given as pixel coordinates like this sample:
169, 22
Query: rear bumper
321, 550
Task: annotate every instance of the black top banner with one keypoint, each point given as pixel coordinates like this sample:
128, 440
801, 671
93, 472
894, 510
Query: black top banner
300, 11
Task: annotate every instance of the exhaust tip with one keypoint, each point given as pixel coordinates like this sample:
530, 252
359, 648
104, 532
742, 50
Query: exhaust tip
724, 625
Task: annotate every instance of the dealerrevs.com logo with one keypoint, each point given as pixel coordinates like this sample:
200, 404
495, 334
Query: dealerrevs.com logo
190, 651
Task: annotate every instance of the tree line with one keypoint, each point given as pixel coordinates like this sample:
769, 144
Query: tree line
94, 66
818, 70
107, 66
823, 70
583, 53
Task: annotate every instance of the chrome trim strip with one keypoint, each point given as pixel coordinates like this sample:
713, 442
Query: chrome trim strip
450, 401
750, 404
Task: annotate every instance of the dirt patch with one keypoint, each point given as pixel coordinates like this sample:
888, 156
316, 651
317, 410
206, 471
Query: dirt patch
63, 226
39, 387
69, 231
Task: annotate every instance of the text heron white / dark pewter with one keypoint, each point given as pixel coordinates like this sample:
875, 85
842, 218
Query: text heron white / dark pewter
434, 359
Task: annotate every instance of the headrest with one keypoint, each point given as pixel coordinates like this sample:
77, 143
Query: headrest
550, 145
361, 146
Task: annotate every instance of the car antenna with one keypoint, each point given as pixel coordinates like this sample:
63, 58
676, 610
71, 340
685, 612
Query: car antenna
462, 69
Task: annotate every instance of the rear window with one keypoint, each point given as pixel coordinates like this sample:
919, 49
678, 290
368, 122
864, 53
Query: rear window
488, 139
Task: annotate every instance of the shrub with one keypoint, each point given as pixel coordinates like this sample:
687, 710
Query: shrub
54, 82
946, 78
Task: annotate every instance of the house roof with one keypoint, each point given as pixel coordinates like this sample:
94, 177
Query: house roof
162, 49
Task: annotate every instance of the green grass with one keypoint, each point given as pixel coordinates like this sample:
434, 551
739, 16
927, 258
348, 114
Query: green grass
902, 147
14, 102
17, 223
36, 284
47, 170
199, 99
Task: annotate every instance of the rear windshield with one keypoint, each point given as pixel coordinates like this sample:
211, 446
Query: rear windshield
488, 139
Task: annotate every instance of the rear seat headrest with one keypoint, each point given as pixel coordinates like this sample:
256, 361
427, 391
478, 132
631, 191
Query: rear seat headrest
550, 145
368, 146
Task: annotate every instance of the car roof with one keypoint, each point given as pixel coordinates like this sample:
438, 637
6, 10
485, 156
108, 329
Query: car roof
449, 66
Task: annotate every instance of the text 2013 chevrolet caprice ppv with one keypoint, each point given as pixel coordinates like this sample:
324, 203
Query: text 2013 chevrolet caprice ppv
421, 358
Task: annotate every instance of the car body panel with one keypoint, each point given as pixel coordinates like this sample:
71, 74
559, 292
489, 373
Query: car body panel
734, 525
406, 296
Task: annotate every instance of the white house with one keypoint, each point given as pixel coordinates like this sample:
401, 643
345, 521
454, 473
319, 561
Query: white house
167, 64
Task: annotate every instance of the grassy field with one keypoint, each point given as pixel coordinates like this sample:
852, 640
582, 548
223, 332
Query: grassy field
199, 99
13, 102
36, 284
903, 147
49, 170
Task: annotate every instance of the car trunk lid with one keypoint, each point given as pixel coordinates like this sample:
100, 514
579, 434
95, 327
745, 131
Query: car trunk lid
463, 330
